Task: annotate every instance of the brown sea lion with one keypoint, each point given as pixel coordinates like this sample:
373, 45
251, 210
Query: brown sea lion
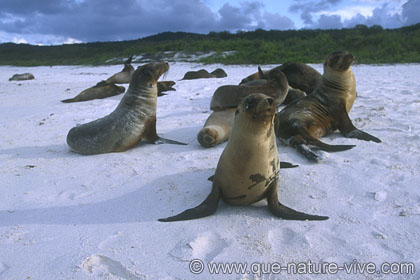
229, 96
326, 109
165, 86
132, 120
99, 91
124, 76
299, 76
248, 169
202, 73
292, 94
22, 77
218, 125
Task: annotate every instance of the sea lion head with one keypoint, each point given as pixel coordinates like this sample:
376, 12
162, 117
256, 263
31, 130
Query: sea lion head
339, 61
257, 107
146, 76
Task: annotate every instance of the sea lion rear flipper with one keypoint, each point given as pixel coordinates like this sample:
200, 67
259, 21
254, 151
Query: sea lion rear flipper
284, 212
206, 208
285, 164
347, 128
357, 133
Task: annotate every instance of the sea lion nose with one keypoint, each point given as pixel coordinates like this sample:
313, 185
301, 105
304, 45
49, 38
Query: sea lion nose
270, 101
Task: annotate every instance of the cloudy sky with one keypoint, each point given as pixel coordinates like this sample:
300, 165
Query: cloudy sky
49, 22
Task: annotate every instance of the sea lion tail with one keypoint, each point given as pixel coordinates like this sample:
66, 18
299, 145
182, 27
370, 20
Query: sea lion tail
206, 208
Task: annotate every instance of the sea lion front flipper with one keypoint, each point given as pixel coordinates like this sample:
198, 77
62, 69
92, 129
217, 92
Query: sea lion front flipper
151, 136
211, 178
284, 212
206, 208
285, 164
347, 128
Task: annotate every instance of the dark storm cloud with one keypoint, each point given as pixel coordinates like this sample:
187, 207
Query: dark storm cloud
104, 20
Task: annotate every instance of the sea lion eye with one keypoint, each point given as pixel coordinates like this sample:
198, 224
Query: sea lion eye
250, 102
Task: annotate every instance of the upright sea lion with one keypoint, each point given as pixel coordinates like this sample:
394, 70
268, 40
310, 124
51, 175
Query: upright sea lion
99, 91
124, 76
165, 86
323, 111
217, 127
202, 73
248, 169
22, 77
132, 120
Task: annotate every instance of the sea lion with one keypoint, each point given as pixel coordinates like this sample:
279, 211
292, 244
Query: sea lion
165, 86
299, 76
218, 73
124, 76
323, 111
292, 94
132, 120
22, 77
229, 96
218, 125
248, 169
202, 73
99, 91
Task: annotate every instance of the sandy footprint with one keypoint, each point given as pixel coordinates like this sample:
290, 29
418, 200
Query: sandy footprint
107, 268
206, 246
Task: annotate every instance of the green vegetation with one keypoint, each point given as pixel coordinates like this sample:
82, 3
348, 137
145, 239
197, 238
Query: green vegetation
369, 44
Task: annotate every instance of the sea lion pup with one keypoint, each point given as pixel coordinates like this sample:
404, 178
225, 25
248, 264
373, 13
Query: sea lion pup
99, 91
323, 111
248, 169
124, 76
217, 127
132, 120
165, 86
22, 77
202, 73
